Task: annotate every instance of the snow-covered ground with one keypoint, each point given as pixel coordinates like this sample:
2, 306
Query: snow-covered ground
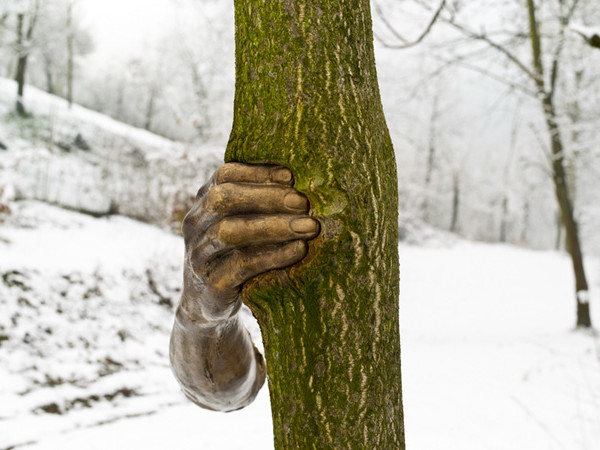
490, 359
81, 159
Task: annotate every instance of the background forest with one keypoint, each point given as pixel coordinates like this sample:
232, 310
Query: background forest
113, 113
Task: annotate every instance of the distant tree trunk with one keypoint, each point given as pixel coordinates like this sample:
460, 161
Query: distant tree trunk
199, 86
23, 49
48, 73
431, 155
70, 53
504, 205
3, 19
526, 217
120, 103
455, 202
21, 67
307, 98
574, 112
559, 176
150, 109
504, 219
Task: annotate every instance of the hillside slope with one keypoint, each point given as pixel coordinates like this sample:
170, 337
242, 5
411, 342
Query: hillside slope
81, 159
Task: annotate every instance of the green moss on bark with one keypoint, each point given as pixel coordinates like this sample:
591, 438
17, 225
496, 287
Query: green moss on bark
307, 98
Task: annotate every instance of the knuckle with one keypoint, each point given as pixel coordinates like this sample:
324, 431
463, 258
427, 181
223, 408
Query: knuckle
296, 250
216, 196
223, 232
218, 231
221, 172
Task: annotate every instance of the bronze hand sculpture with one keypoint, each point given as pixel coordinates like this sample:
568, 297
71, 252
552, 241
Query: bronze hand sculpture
248, 219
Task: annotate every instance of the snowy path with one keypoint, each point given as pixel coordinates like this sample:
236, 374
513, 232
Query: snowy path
489, 358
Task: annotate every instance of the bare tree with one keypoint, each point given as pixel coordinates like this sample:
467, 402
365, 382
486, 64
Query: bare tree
538, 81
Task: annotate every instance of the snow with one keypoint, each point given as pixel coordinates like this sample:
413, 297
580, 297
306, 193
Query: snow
490, 358
120, 167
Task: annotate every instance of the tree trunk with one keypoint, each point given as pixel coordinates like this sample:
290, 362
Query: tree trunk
525, 227
23, 44
504, 219
455, 202
431, 155
70, 54
3, 20
150, 109
559, 175
307, 98
21, 66
48, 73
568, 218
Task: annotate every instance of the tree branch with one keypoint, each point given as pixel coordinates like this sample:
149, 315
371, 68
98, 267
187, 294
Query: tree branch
591, 36
484, 38
392, 30
460, 61
565, 20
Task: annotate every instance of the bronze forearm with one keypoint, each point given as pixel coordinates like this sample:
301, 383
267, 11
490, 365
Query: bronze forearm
216, 364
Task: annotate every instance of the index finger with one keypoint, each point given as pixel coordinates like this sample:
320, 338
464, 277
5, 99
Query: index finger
254, 173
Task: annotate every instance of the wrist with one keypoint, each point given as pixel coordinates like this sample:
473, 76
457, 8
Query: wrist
206, 312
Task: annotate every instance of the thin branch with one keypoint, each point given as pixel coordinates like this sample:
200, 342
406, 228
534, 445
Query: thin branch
395, 33
459, 61
33, 20
565, 20
482, 37
590, 36
387, 24
542, 145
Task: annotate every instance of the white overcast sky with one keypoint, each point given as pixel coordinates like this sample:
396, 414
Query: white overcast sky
124, 27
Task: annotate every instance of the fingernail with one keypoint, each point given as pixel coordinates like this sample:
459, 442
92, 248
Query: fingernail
282, 175
304, 225
296, 201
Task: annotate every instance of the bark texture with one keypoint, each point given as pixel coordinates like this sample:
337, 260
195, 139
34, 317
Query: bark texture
307, 98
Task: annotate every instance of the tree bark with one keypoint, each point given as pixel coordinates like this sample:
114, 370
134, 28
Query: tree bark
307, 98
559, 175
